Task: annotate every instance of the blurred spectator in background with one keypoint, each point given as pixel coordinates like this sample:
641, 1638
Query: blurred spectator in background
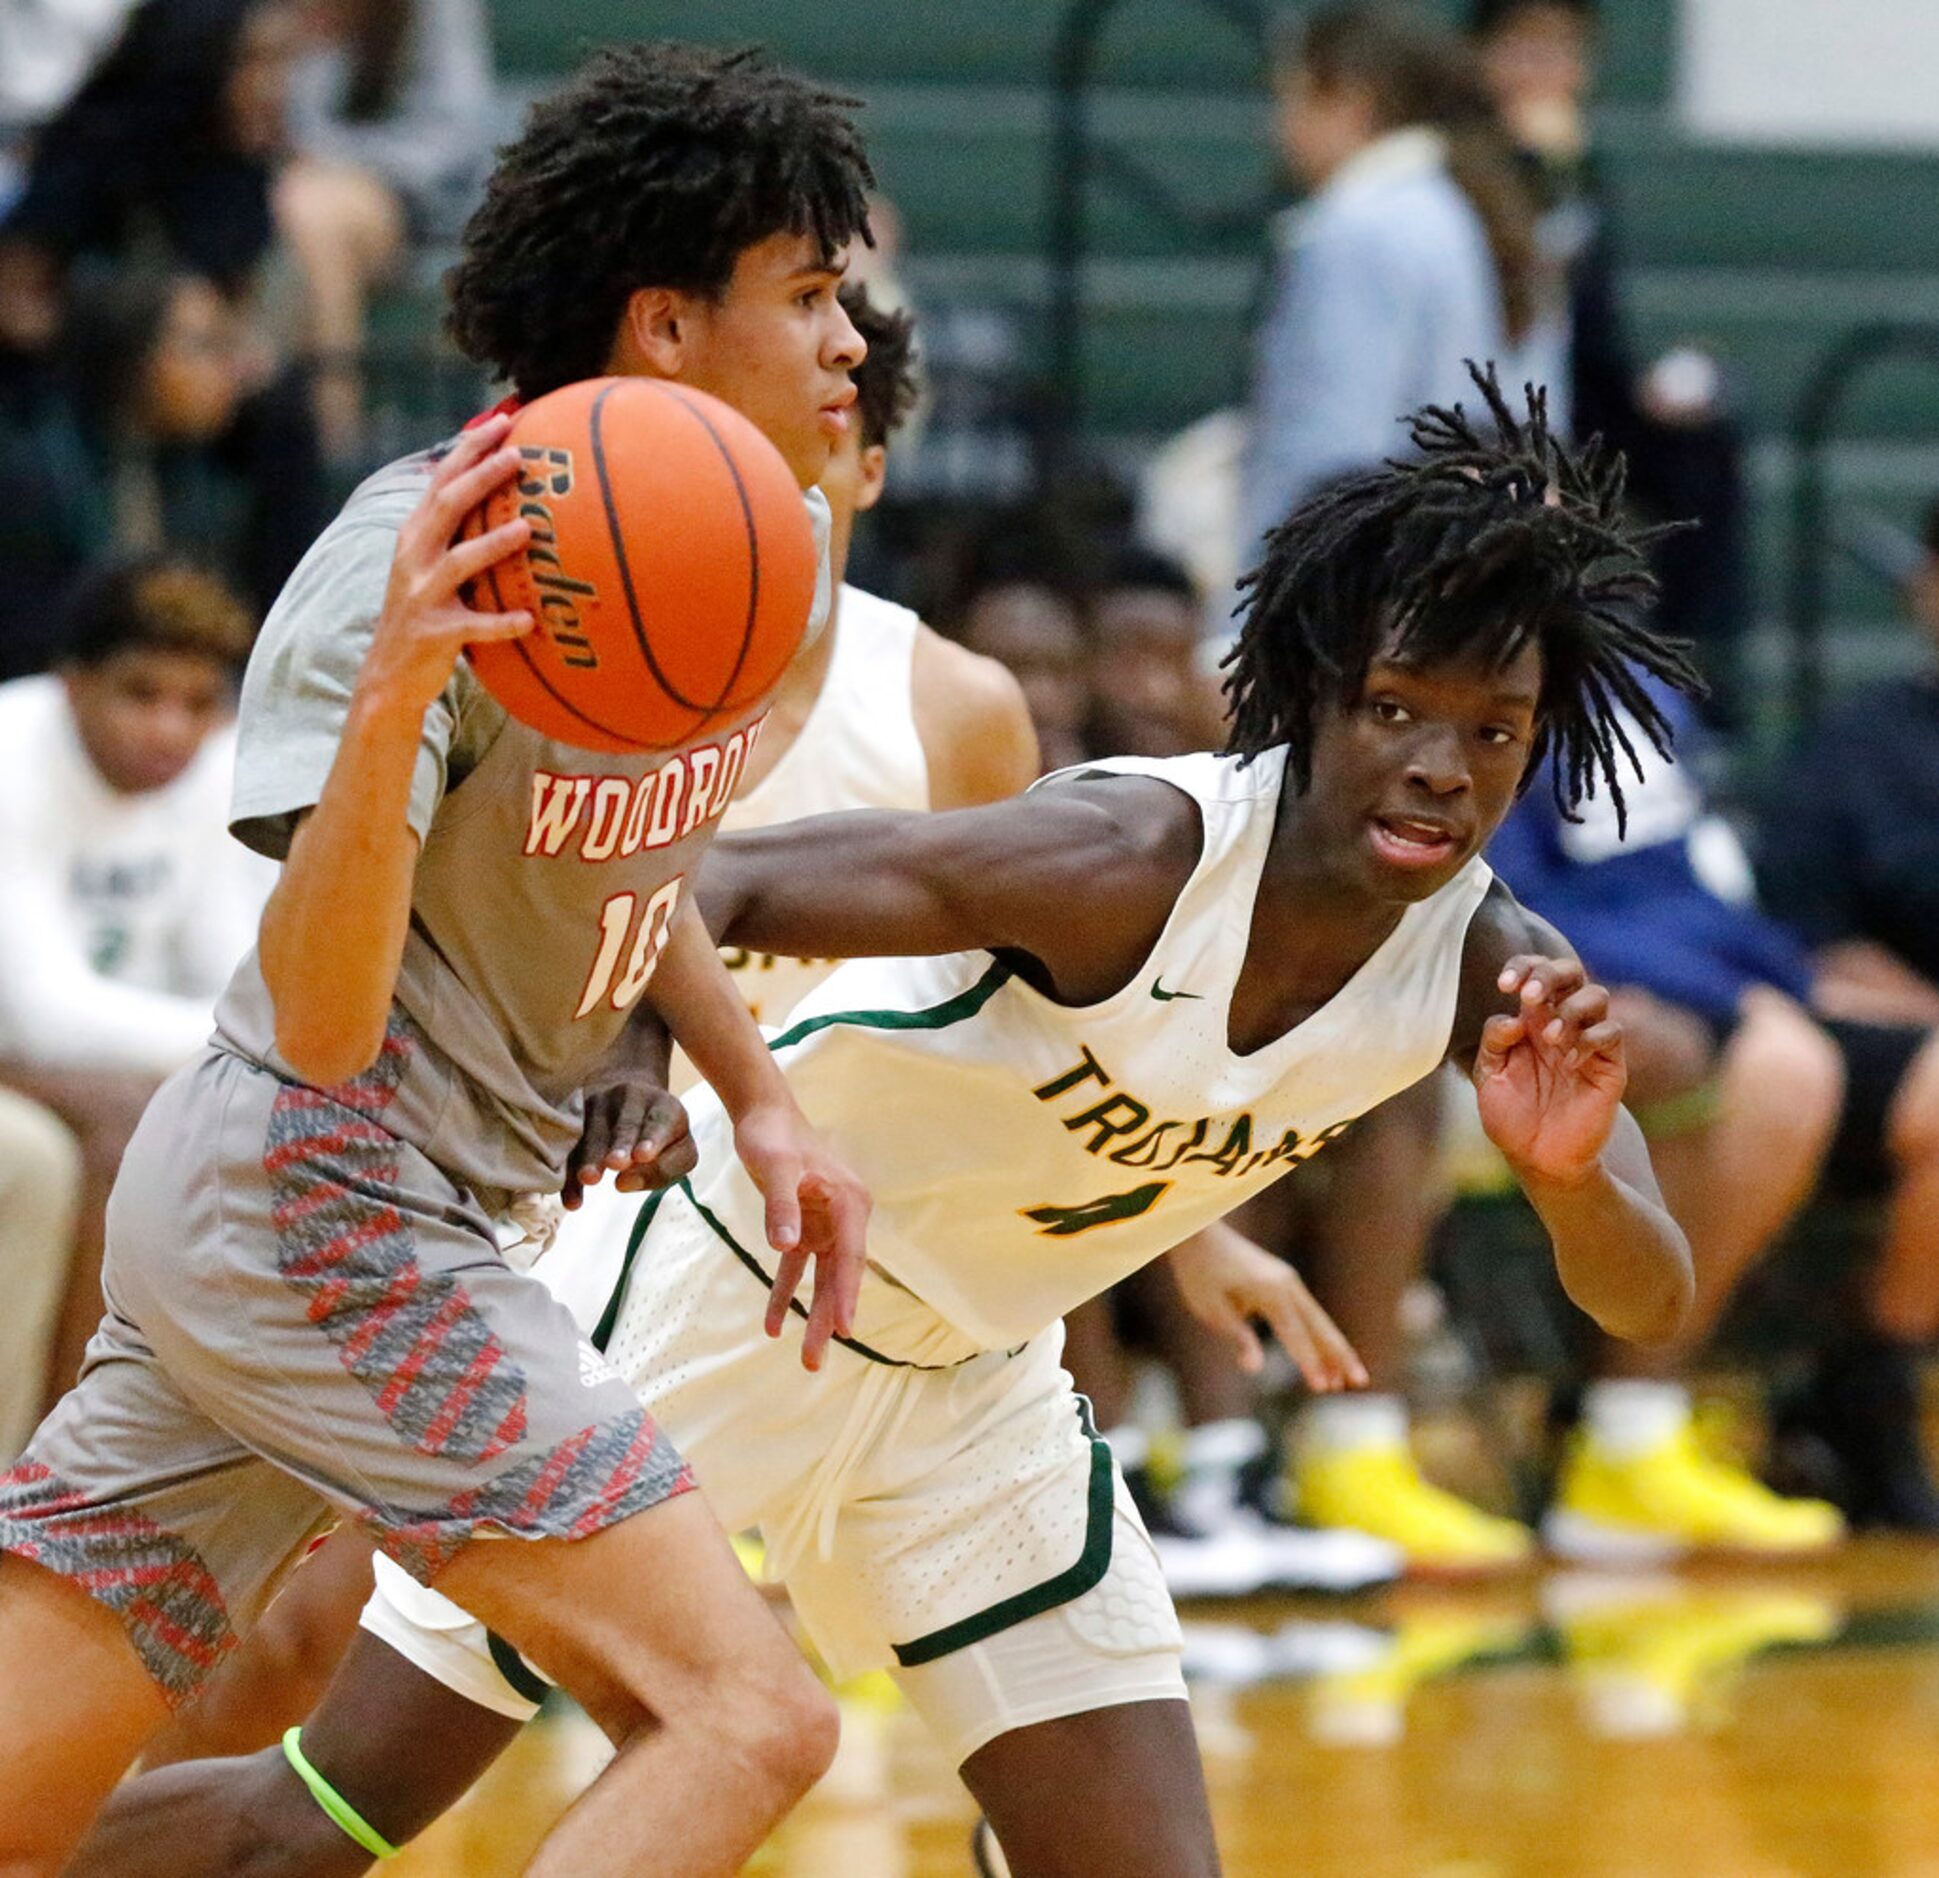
403, 91
128, 427
1148, 695
1416, 252
1851, 856
393, 115
171, 144
162, 166
1669, 417
1367, 1231
127, 904
1038, 631
40, 1189
47, 50
1782, 1098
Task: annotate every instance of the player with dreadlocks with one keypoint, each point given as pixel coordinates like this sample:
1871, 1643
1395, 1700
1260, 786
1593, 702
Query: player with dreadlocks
1078, 1027
1477, 549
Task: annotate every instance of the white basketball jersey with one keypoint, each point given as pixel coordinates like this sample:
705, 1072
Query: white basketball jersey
858, 749
1023, 1155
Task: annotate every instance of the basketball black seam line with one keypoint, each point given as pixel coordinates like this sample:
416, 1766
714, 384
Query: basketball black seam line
594, 431
753, 544
633, 744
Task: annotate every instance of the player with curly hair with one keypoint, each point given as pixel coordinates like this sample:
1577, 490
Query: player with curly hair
316, 1301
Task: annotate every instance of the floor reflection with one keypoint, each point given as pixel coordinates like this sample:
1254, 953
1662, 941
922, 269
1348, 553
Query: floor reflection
1729, 1722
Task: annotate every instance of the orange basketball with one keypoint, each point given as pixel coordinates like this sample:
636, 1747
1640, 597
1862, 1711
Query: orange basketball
671, 567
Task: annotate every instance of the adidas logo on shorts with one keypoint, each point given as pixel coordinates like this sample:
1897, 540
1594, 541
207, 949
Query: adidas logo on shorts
594, 1369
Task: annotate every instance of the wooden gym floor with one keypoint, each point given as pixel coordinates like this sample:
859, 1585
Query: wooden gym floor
1723, 1722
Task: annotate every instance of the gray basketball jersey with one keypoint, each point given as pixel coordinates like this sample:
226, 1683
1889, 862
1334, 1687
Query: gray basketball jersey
546, 883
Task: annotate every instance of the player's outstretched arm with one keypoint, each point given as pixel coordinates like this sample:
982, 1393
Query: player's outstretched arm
333, 930
1547, 1062
1078, 878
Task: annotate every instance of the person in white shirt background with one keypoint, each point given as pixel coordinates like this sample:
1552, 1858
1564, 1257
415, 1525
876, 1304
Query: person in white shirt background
124, 906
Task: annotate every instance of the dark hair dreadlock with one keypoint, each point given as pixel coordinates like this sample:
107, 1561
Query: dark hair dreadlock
886, 387
1478, 547
656, 166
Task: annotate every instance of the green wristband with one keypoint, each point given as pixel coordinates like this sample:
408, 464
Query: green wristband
342, 1814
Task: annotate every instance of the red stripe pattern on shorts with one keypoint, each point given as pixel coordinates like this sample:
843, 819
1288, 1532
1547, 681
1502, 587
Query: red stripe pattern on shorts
412, 1337
155, 1582
591, 1480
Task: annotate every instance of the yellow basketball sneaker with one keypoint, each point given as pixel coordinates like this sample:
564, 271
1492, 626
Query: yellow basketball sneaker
1672, 1498
1380, 1489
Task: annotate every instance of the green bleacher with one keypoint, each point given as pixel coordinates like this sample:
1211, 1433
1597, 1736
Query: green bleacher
1764, 256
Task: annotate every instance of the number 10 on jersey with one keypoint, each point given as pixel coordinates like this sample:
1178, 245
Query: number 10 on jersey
616, 920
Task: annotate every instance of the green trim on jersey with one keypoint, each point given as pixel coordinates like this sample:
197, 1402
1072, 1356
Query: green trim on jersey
1092, 1563
602, 1333
964, 1004
956, 1010
718, 1227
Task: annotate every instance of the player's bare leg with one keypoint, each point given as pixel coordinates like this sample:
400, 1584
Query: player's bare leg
654, 1627
1905, 1293
1758, 1162
720, 1725
283, 1666
252, 1816
75, 1706
1115, 1793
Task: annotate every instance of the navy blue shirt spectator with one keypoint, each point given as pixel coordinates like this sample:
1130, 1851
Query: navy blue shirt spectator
1852, 848
1852, 842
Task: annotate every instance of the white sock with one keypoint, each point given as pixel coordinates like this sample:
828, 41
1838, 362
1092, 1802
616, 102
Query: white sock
1346, 1424
1207, 1496
1226, 1445
1630, 1416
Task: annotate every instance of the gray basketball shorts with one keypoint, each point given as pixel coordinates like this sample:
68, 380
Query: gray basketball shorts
307, 1318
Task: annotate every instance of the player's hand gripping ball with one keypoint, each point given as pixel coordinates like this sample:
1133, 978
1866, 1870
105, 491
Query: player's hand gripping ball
670, 570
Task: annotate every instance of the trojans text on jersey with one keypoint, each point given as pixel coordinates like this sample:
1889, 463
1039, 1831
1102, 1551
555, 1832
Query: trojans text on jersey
1114, 1125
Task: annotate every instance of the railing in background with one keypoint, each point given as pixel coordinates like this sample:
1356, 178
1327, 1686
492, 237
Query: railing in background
1820, 405
1078, 157
416, 390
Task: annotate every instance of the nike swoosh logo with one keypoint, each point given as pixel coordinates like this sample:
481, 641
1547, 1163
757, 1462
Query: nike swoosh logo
1163, 996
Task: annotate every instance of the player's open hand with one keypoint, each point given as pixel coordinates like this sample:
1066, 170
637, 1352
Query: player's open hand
1229, 1284
1550, 1078
816, 1209
425, 623
636, 1130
